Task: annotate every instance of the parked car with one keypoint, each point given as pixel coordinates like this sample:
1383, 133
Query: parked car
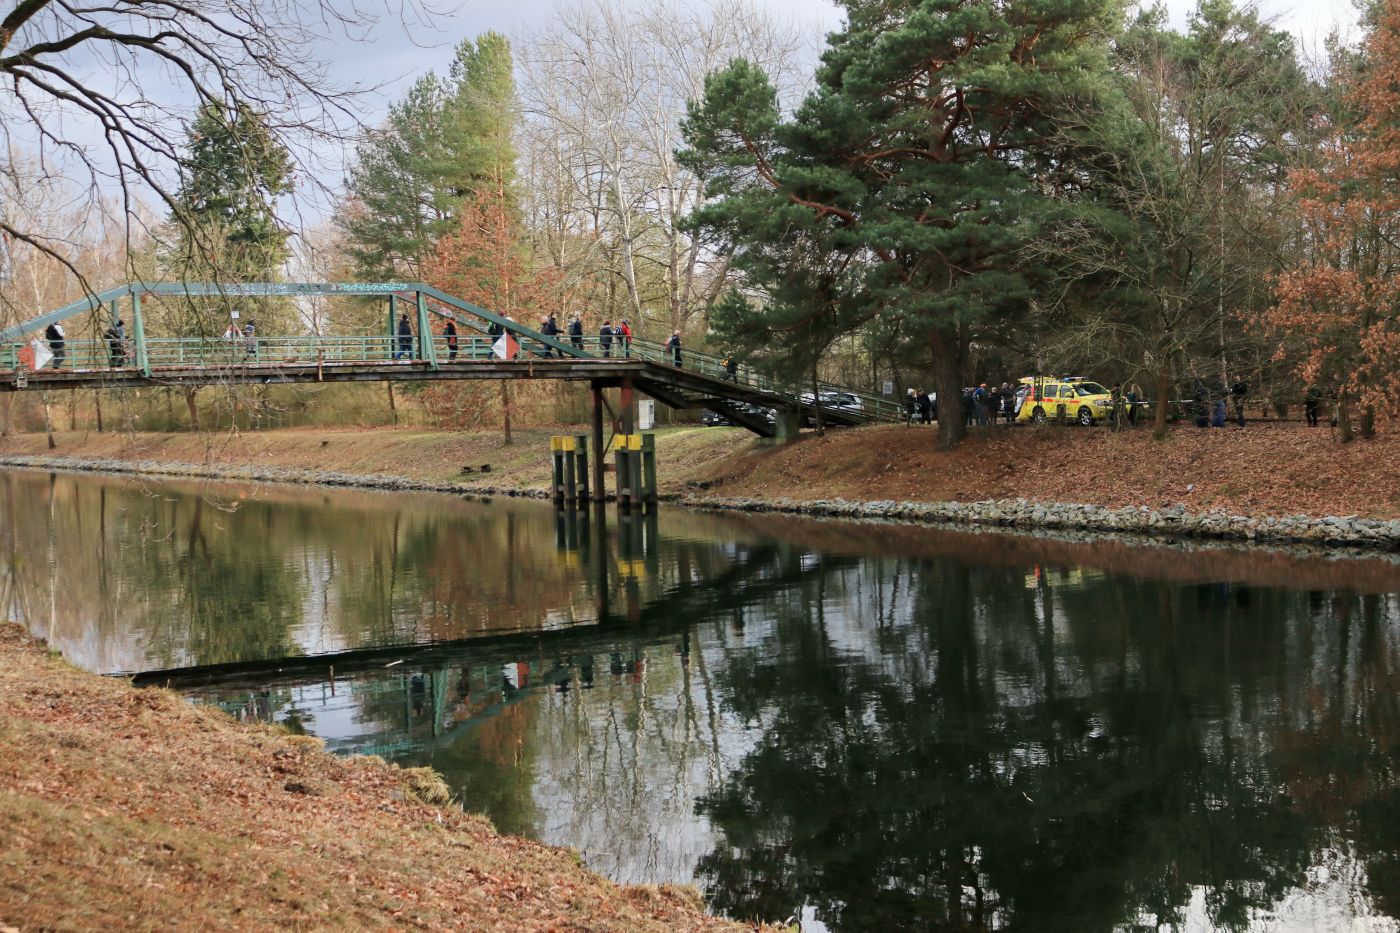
713, 418
833, 399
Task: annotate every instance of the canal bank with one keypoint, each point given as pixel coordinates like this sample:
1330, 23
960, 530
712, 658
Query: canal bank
703, 463
130, 808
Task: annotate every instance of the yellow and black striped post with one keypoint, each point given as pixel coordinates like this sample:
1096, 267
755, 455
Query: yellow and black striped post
581, 466
565, 486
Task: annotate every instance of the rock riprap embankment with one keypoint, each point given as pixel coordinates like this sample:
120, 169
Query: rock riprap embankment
1173, 521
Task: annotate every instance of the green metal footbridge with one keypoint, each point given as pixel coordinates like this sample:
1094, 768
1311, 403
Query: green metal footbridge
139, 358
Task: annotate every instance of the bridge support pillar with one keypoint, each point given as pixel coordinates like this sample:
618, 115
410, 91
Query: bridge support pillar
786, 423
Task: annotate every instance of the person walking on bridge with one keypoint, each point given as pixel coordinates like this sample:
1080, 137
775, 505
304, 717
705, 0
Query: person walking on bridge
605, 337
625, 331
405, 347
550, 328
116, 343
674, 346
55, 336
576, 332
449, 330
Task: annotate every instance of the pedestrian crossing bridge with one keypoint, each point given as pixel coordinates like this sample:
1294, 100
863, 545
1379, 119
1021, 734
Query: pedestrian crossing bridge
92, 356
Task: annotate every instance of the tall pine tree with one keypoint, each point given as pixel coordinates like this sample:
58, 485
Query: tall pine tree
927, 151
231, 177
446, 141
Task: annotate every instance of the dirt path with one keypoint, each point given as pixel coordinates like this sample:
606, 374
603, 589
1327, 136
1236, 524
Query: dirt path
127, 809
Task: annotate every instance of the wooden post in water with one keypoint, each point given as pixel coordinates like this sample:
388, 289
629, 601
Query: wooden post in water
624, 472
648, 479
600, 492
570, 471
581, 442
556, 452
635, 497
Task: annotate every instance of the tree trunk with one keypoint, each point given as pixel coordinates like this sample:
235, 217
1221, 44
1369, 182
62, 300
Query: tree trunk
505, 411
1163, 402
948, 376
97, 403
9, 398
1368, 421
817, 404
48, 420
1344, 420
194, 409
393, 409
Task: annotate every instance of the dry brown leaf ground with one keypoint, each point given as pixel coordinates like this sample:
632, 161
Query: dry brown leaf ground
127, 809
1265, 468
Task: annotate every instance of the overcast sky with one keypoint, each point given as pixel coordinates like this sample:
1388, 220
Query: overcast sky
399, 55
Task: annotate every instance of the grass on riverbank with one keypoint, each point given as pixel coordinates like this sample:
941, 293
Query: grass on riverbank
126, 809
1265, 468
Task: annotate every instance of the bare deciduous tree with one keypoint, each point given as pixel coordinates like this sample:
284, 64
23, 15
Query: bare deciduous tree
102, 92
604, 89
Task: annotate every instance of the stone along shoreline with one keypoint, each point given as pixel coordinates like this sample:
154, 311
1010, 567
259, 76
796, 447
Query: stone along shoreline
1170, 522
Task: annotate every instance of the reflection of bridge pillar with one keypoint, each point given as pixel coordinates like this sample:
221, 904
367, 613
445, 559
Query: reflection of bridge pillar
599, 540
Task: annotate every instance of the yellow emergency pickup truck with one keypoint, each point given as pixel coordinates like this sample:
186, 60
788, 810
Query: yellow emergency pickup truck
1040, 399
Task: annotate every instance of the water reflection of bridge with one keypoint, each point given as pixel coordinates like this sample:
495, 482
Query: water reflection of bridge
641, 600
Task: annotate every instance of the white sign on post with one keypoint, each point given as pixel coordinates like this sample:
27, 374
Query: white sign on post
889, 387
646, 415
233, 314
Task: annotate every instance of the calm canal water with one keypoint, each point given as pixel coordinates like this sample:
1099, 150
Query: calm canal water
865, 727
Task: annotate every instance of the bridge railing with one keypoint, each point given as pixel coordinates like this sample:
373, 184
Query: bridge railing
217, 352
868, 405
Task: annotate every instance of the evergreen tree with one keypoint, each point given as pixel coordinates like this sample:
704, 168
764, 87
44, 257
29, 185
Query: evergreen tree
232, 175
927, 152
447, 140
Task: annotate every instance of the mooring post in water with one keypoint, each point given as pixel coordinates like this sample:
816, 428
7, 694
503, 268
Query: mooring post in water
648, 483
634, 465
565, 486
600, 492
570, 470
556, 454
581, 466
624, 471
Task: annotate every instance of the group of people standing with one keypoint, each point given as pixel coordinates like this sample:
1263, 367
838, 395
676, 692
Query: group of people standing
980, 405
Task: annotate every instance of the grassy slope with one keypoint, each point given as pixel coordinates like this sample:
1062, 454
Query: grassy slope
130, 809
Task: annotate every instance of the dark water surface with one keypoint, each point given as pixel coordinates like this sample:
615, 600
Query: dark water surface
867, 727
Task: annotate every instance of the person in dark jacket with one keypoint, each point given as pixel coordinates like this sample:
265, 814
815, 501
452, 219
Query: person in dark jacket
405, 348
449, 331
731, 368
57, 345
550, 328
116, 343
1238, 393
576, 332
925, 406
1312, 402
911, 405
605, 338
674, 345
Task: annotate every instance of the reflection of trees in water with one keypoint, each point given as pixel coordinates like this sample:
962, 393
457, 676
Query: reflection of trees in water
1068, 758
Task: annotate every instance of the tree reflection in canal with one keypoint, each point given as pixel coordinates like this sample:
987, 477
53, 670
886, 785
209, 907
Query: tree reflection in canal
872, 727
